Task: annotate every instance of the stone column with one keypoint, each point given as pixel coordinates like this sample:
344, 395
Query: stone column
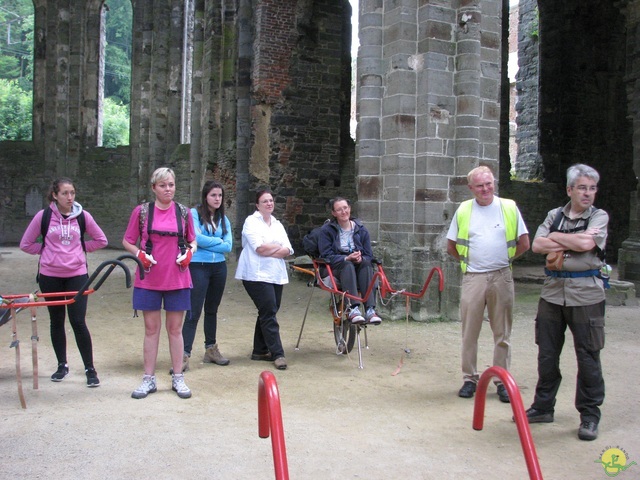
428, 111
629, 254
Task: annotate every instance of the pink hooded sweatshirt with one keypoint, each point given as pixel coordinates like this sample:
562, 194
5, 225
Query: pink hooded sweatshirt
62, 255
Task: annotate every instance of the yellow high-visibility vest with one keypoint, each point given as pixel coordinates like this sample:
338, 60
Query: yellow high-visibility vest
510, 213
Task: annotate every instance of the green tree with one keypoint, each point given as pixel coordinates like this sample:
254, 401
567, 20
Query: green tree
115, 129
16, 63
15, 111
16, 39
117, 82
117, 78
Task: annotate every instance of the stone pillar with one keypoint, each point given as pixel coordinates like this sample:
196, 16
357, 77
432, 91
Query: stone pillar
629, 254
428, 112
529, 163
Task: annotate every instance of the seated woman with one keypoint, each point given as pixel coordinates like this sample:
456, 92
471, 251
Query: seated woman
345, 244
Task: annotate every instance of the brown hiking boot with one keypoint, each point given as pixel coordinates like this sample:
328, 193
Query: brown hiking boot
185, 364
213, 355
280, 363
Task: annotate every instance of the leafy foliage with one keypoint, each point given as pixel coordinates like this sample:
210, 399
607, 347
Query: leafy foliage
16, 32
115, 130
15, 111
16, 70
118, 51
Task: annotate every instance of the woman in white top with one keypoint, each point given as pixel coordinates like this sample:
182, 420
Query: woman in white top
263, 272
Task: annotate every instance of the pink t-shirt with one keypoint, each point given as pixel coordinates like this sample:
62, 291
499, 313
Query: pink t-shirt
166, 274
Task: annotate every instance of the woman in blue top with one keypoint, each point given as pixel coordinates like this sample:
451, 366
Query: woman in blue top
208, 269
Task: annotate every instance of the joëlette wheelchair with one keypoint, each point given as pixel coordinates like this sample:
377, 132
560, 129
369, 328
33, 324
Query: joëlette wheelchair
346, 334
11, 305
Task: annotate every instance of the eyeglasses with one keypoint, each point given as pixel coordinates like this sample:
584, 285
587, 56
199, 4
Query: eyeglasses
585, 188
342, 210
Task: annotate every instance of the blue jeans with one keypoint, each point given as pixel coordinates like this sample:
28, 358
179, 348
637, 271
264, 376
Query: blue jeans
208, 281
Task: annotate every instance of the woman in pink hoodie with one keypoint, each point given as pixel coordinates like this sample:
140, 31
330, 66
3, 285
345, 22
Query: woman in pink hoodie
63, 268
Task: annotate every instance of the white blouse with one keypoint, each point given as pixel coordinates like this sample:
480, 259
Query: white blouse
254, 267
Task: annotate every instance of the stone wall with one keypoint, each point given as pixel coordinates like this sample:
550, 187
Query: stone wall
428, 112
583, 109
629, 260
528, 165
268, 98
300, 110
269, 87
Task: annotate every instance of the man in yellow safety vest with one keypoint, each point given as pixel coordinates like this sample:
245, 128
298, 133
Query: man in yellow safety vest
486, 234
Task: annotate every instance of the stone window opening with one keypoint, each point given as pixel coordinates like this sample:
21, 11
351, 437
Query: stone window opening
16, 73
114, 73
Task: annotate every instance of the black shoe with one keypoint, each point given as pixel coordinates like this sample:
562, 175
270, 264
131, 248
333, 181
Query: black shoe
588, 431
502, 394
92, 377
262, 356
536, 416
467, 390
61, 373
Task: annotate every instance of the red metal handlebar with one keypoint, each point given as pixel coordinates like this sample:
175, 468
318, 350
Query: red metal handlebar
270, 420
519, 415
378, 277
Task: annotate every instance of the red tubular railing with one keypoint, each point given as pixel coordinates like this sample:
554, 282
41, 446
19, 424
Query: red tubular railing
270, 420
519, 415
379, 280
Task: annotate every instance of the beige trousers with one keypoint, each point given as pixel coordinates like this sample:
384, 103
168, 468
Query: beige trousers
495, 292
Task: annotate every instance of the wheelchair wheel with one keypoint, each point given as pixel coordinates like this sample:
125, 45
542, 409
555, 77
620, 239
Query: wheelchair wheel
343, 331
345, 335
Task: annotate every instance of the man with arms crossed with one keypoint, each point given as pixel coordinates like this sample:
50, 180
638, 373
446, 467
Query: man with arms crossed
573, 238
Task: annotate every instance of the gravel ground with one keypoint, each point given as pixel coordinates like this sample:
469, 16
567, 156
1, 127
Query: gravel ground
339, 421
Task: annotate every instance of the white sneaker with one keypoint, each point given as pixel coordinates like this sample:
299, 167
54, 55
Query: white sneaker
178, 386
355, 317
372, 317
147, 386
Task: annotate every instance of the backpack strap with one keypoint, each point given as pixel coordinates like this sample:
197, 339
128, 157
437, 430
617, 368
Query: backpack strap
83, 228
46, 220
44, 224
44, 229
558, 220
149, 213
181, 213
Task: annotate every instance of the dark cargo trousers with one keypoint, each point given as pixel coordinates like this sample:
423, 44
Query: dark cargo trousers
587, 326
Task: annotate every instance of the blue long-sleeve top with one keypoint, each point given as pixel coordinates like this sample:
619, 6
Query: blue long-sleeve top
212, 245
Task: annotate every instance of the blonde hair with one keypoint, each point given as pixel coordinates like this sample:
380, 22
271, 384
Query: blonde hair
477, 171
160, 174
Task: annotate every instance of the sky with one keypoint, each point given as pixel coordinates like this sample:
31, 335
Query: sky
354, 28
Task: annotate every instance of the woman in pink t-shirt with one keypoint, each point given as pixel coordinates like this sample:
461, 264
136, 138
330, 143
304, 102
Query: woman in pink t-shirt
164, 232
